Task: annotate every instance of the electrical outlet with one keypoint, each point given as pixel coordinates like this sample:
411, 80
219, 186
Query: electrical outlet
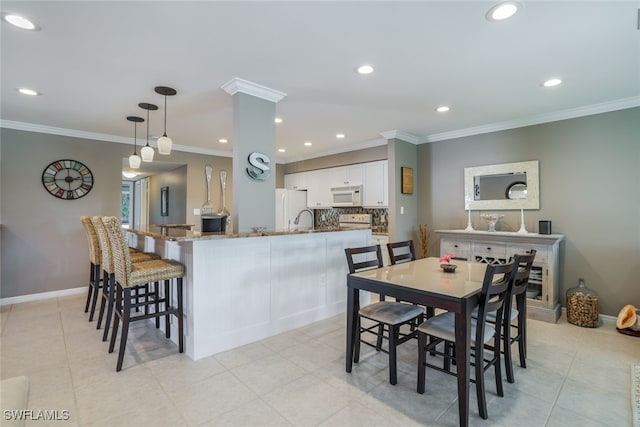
196, 211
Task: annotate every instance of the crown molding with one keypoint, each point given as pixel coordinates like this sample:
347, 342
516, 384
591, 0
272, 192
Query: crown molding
101, 137
236, 85
604, 107
344, 149
404, 136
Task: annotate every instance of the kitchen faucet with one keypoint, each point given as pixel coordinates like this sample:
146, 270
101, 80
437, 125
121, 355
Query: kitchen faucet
297, 220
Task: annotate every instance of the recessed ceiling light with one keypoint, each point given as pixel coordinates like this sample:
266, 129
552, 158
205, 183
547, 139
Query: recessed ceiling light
365, 69
281, 150
277, 120
222, 141
19, 21
442, 109
502, 11
129, 174
27, 91
551, 82
340, 135
308, 144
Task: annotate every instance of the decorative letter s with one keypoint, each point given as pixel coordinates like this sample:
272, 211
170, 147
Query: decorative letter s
258, 168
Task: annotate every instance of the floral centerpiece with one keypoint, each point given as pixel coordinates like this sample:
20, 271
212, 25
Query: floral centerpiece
445, 263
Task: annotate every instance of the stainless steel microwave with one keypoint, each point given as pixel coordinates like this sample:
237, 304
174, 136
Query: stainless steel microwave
346, 196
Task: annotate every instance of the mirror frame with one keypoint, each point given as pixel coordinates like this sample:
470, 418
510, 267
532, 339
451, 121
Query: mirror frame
533, 187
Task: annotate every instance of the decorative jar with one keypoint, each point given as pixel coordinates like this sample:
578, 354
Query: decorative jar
582, 306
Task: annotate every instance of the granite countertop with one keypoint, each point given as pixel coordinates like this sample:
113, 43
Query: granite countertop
182, 235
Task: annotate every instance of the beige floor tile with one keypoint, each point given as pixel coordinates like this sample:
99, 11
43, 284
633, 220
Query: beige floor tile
251, 414
312, 355
205, 400
596, 404
243, 355
263, 375
306, 401
179, 370
561, 417
358, 415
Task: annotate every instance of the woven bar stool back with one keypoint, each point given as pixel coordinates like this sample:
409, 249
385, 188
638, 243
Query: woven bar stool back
131, 276
95, 258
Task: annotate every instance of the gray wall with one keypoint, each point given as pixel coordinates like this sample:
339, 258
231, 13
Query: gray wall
176, 181
403, 226
351, 157
589, 189
44, 247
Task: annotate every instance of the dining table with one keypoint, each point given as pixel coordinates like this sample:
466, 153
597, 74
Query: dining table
424, 282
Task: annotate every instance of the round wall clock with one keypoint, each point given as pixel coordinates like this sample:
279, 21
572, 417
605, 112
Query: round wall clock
67, 179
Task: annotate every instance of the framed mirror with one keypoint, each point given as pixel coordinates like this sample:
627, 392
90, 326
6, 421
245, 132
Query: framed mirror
502, 187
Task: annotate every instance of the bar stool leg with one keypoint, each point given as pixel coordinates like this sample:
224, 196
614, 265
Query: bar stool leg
156, 296
90, 291
103, 297
111, 299
96, 286
167, 308
116, 318
180, 316
126, 314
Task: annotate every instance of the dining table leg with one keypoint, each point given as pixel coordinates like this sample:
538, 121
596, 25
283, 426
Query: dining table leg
463, 365
352, 313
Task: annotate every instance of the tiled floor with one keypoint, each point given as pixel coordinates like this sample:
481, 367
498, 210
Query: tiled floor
575, 377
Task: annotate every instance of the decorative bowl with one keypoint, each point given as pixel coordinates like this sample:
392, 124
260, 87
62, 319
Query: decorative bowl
492, 219
448, 268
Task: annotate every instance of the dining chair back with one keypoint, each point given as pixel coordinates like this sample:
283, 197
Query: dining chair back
441, 328
384, 317
401, 252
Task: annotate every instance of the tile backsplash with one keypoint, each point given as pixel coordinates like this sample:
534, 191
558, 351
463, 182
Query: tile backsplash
329, 217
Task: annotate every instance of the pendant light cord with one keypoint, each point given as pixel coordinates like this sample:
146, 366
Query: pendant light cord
147, 127
165, 115
135, 136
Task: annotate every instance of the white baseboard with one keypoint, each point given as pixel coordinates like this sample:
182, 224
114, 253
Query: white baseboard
43, 295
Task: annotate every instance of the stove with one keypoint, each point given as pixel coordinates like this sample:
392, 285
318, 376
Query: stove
354, 221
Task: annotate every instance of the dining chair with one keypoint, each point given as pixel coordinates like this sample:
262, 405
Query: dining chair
518, 291
131, 276
107, 299
387, 316
441, 328
95, 258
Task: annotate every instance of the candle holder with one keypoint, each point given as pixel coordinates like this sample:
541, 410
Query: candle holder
523, 229
469, 225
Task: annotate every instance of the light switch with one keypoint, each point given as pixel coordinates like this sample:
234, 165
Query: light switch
196, 211
401, 210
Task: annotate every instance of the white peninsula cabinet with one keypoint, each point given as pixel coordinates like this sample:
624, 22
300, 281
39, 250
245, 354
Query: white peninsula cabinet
498, 247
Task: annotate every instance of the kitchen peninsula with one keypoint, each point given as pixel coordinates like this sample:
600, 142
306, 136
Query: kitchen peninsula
241, 288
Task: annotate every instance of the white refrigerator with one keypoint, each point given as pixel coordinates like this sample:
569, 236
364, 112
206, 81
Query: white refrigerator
288, 204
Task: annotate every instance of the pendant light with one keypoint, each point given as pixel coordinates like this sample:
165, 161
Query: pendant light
147, 151
134, 159
164, 142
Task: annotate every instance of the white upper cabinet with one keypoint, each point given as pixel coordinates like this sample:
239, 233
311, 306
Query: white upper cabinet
373, 176
296, 181
376, 184
319, 188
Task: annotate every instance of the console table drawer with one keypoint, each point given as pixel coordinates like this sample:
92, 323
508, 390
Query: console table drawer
490, 249
458, 248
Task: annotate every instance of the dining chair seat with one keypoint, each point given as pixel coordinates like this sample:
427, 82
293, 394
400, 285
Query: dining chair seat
391, 313
444, 326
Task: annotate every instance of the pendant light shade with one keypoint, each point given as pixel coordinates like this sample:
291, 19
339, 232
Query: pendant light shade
134, 159
147, 151
164, 142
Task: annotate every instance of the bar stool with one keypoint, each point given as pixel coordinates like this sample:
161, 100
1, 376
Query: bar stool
95, 258
108, 288
130, 276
